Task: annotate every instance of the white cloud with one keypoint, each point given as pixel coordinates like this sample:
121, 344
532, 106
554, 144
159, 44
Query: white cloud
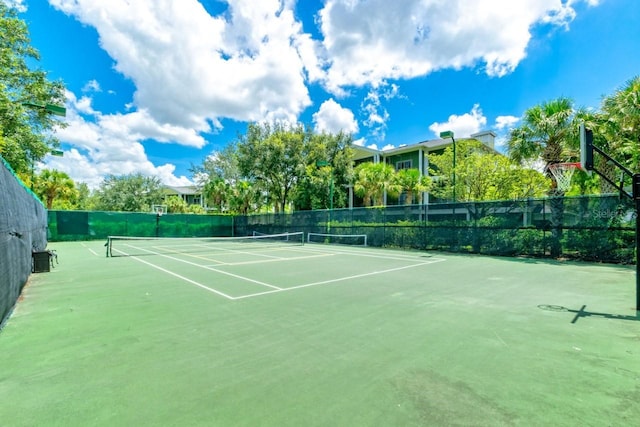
18, 5
506, 122
254, 62
191, 69
92, 86
333, 118
462, 126
503, 125
98, 145
368, 42
376, 114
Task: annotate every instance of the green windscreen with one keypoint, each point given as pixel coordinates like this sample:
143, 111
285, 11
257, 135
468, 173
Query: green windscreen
23, 232
81, 225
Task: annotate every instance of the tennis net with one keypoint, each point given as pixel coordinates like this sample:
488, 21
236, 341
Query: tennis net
136, 246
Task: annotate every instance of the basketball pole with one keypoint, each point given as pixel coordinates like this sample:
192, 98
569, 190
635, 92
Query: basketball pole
636, 197
587, 148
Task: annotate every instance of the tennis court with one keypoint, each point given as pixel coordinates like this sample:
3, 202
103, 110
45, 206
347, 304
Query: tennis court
179, 332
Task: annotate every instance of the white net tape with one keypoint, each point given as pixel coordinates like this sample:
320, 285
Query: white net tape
563, 172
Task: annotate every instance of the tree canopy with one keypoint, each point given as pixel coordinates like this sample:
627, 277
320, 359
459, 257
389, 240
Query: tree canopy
129, 193
57, 189
482, 175
280, 166
26, 129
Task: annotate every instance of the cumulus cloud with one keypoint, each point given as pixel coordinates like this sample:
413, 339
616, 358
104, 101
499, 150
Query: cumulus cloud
376, 115
462, 126
190, 69
506, 122
368, 42
92, 86
100, 145
254, 62
333, 118
18, 5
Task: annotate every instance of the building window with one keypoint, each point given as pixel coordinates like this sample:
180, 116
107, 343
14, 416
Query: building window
405, 164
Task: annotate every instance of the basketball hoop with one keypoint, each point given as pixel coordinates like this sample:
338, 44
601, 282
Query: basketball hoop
159, 210
563, 172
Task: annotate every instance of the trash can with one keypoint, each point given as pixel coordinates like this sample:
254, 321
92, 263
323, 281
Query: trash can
41, 262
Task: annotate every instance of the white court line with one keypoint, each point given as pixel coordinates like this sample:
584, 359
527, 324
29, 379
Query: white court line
192, 255
193, 282
281, 259
341, 279
89, 249
223, 251
359, 252
204, 266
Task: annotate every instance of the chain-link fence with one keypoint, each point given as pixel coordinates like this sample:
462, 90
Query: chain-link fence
23, 231
595, 228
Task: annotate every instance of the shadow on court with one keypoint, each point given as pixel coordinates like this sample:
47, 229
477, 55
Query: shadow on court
584, 313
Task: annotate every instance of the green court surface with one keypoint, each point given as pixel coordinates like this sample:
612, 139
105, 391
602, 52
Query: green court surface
318, 335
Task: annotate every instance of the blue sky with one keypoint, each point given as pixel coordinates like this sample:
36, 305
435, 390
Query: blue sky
155, 86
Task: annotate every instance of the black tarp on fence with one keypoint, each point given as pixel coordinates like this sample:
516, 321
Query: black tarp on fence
594, 228
23, 230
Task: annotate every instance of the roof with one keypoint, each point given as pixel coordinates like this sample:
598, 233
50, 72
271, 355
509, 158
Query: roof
186, 190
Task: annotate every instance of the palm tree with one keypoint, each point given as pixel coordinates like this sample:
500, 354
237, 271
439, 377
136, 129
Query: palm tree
53, 184
245, 197
372, 180
411, 182
621, 123
546, 134
217, 192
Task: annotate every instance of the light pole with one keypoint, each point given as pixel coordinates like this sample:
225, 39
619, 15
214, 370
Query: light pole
323, 163
446, 135
56, 110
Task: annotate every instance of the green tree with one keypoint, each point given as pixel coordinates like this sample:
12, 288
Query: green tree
328, 172
175, 204
221, 164
620, 123
129, 193
244, 198
56, 188
373, 180
483, 175
217, 192
548, 133
26, 133
86, 200
410, 182
272, 157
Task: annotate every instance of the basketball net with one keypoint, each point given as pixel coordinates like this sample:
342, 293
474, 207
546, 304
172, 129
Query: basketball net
563, 172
